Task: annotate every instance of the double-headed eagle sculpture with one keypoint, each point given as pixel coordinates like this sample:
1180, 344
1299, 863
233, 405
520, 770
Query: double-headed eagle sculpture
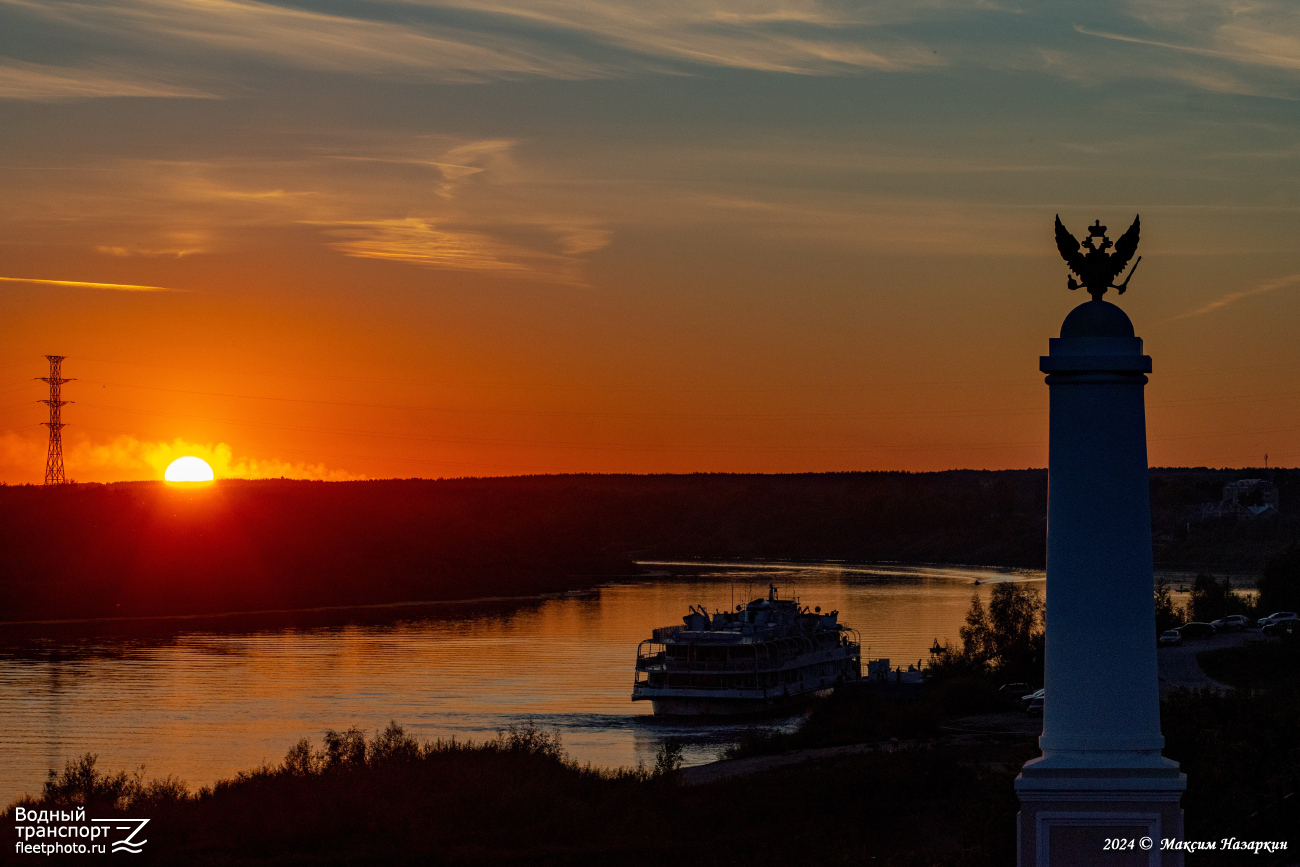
1097, 268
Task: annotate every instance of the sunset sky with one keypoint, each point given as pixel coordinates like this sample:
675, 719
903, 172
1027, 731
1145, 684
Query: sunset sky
416, 238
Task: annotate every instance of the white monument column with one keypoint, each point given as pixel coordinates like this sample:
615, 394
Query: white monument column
1101, 775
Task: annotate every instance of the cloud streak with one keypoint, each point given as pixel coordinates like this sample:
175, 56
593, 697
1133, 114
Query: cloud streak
1231, 297
421, 242
492, 40
82, 284
316, 40
804, 37
40, 83
440, 202
489, 40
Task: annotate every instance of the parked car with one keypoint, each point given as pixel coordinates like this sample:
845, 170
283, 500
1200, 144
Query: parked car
1231, 623
1035, 707
1277, 617
1196, 630
1027, 700
1283, 628
1171, 636
1013, 689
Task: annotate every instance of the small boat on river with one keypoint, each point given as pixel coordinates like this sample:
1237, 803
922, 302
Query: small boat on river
766, 655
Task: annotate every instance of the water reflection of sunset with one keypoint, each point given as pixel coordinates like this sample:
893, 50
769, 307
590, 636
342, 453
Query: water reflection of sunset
204, 705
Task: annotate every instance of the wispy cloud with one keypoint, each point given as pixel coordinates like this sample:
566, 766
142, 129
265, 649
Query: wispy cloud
486, 40
83, 284
1119, 37
807, 37
438, 202
1224, 39
434, 201
1273, 285
1243, 46
195, 245
480, 40
125, 455
1263, 288
317, 40
421, 242
40, 83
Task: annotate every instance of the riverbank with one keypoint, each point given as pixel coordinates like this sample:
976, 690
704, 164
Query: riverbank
940, 801
1000, 728
517, 800
279, 618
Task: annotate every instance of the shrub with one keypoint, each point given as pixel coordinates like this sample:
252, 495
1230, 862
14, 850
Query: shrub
1005, 641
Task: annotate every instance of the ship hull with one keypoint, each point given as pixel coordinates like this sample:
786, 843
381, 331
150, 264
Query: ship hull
709, 706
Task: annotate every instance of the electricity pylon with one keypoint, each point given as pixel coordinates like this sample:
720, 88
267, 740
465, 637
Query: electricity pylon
54, 458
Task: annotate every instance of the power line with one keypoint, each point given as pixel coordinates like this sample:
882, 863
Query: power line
1211, 400
639, 387
1215, 400
558, 414
546, 444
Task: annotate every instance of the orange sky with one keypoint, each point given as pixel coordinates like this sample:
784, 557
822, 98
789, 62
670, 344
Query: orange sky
470, 238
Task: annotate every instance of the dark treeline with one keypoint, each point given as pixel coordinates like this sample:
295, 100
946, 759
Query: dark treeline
144, 548
135, 549
518, 800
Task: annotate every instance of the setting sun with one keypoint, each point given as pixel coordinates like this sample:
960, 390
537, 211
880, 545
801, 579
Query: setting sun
188, 469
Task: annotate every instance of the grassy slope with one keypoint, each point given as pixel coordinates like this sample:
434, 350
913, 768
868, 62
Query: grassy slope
517, 801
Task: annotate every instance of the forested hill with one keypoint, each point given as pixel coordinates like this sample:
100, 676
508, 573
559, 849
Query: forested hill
148, 548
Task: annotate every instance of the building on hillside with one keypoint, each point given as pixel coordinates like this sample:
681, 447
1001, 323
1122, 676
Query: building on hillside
1244, 499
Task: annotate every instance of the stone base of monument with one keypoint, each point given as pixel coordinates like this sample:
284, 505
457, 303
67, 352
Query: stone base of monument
1077, 817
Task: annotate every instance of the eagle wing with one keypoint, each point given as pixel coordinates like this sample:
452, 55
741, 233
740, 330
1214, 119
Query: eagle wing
1069, 247
1125, 247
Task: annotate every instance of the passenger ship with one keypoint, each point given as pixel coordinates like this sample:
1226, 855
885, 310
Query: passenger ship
764, 655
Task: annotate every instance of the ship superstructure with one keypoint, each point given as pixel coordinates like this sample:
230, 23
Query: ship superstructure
766, 654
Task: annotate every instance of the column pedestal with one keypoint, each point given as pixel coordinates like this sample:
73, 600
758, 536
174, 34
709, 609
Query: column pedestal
1067, 816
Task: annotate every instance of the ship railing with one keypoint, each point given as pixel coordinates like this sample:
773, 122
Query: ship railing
775, 663
758, 634
686, 665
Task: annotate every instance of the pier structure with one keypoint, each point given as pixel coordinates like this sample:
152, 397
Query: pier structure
1101, 775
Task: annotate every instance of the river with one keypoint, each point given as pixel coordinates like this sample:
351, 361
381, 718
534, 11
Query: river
202, 705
